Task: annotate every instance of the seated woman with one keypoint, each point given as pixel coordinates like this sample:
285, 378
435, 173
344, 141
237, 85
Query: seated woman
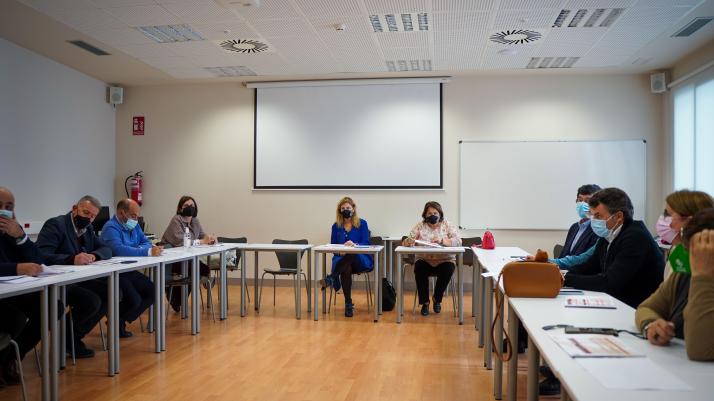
683, 305
434, 229
186, 216
349, 230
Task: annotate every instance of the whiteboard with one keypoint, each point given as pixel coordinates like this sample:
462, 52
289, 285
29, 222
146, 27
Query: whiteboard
348, 136
532, 185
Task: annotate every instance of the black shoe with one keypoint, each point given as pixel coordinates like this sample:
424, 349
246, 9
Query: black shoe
425, 309
349, 310
437, 307
176, 306
81, 351
123, 332
549, 386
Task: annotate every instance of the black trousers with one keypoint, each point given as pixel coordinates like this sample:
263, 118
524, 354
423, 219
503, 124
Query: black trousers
344, 268
88, 301
422, 272
20, 316
137, 295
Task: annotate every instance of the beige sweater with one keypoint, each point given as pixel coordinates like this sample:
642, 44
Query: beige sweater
698, 314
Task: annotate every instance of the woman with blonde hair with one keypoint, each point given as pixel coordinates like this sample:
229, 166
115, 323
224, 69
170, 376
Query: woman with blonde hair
679, 207
349, 230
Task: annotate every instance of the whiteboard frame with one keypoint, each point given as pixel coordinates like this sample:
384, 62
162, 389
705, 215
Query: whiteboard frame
460, 203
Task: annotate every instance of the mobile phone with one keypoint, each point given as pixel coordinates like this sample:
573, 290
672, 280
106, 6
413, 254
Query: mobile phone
591, 330
127, 262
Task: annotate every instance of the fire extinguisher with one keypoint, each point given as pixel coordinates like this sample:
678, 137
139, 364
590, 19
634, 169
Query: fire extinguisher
132, 186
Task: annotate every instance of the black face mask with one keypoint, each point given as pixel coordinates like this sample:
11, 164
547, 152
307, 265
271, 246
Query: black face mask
188, 211
81, 222
346, 213
433, 219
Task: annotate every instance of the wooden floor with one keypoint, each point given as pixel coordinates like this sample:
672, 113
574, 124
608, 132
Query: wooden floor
273, 356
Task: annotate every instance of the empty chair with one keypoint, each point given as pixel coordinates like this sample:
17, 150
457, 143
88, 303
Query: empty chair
287, 262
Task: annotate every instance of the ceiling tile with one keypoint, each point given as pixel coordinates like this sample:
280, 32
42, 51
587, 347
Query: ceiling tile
124, 36
194, 48
150, 50
201, 12
225, 30
569, 42
403, 39
459, 21
353, 24
283, 27
397, 6
122, 3
461, 40
144, 15
462, 5
269, 9
525, 19
330, 8
88, 19
530, 4
577, 4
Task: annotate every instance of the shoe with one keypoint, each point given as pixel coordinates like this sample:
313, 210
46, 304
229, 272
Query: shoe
123, 332
425, 309
437, 307
81, 351
545, 371
326, 282
549, 386
349, 310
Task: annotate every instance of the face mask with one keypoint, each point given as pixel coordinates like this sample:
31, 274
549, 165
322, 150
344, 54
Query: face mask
130, 224
679, 260
665, 232
600, 227
346, 213
81, 222
188, 211
433, 219
6, 213
582, 209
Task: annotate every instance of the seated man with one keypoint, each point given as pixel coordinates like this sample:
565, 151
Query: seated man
580, 236
20, 314
70, 240
683, 306
627, 263
125, 238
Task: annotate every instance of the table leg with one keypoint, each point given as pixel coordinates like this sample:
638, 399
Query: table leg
513, 363
184, 290
115, 318
63, 328
158, 301
460, 283
498, 368
474, 290
324, 274
533, 362
315, 287
150, 325
298, 290
255, 284
54, 368
378, 290
398, 280
162, 322
309, 282
45, 344
223, 292
481, 318
243, 289
195, 293
376, 305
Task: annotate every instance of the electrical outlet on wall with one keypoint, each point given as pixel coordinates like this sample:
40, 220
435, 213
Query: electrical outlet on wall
31, 227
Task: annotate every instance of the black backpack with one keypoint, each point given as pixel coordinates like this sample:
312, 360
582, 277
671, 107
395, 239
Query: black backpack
389, 295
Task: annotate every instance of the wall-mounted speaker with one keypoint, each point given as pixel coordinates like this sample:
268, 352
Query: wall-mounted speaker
658, 82
115, 95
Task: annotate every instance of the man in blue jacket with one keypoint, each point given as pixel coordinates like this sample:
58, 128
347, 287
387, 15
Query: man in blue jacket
580, 236
125, 238
69, 239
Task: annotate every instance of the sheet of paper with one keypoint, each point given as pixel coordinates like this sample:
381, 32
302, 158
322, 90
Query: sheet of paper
427, 243
11, 278
53, 270
18, 280
642, 374
589, 302
593, 346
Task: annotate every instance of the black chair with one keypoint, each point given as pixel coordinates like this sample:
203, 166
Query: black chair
557, 249
7, 340
367, 281
287, 267
232, 263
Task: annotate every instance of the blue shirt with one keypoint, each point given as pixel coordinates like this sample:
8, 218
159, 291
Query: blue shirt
358, 235
581, 229
574, 260
124, 242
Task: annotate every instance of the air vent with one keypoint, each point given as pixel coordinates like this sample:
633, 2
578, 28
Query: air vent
404, 22
230, 71
170, 33
515, 37
552, 62
408, 65
592, 18
86, 46
695, 25
243, 46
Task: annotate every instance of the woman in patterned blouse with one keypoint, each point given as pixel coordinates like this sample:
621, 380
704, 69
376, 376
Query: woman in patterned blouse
434, 229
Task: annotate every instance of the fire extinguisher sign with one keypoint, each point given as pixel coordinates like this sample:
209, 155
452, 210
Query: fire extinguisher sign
138, 125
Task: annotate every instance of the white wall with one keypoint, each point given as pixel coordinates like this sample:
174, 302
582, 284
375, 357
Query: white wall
57, 134
199, 140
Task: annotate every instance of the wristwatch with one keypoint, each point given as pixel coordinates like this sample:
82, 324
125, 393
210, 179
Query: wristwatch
644, 330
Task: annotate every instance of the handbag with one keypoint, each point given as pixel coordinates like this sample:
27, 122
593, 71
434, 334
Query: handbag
536, 279
488, 242
389, 295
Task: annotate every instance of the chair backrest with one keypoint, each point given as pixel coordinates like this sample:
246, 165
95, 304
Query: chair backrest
468, 243
557, 249
409, 259
376, 241
286, 260
229, 240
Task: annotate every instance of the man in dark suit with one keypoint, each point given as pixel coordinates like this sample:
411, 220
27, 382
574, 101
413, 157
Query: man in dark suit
19, 315
70, 240
580, 236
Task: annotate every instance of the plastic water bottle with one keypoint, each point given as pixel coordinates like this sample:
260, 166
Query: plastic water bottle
186, 238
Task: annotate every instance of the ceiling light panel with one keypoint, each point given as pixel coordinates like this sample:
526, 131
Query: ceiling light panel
399, 22
230, 71
170, 33
144, 15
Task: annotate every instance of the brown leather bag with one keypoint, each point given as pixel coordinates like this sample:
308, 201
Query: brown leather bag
536, 279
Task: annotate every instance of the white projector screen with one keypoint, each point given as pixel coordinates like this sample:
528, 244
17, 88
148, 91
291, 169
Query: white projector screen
533, 185
365, 136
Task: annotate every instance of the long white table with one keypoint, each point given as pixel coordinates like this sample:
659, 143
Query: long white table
337, 249
401, 251
299, 249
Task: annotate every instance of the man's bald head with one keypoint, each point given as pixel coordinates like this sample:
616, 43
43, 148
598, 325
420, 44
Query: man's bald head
128, 208
7, 199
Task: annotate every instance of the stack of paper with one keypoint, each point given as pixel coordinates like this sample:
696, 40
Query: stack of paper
16, 279
426, 243
590, 302
593, 346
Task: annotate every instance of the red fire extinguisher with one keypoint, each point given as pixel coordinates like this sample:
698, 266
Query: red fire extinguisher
132, 186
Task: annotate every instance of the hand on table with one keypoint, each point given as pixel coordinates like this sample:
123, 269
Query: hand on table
660, 332
156, 250
28, 269
84, 258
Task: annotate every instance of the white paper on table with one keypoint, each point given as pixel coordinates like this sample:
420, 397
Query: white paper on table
53, 270
11, 278
641, 374
589, 302
594, 346
427, 243
18, 279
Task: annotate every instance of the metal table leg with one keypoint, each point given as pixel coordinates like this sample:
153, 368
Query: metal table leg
513, 363
298, 290
243, 289
324, 274
63, 328
158, 301
498, 369
223, 292
315, 287
533, 362
460, 283
45, 344
400, 298
195, 293
376, 305
309, 282
115, 318
54, 363
255, 283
